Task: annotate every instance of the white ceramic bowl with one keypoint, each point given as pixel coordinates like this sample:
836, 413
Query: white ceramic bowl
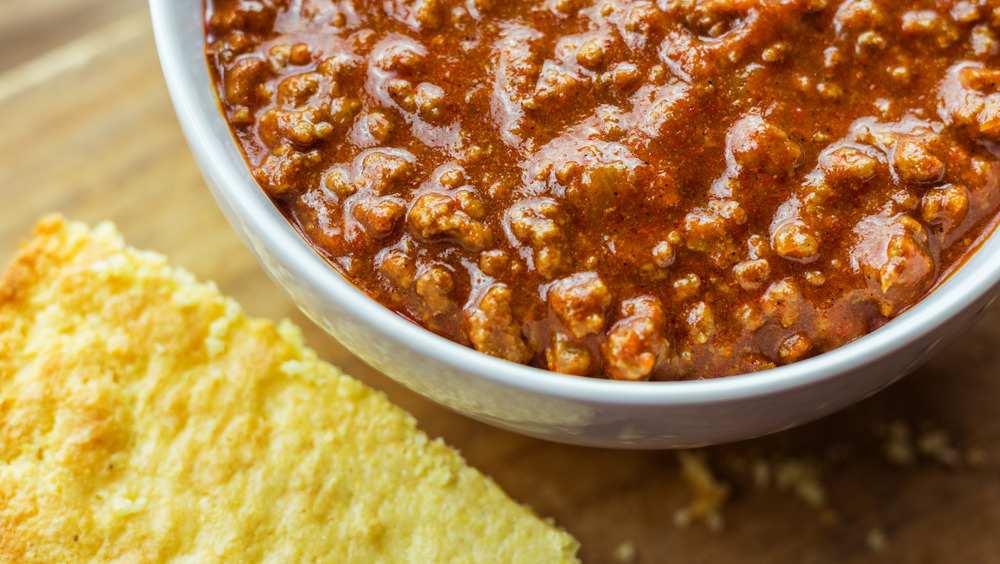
527, 400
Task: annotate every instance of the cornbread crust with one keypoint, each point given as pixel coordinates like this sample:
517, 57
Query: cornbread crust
144, 417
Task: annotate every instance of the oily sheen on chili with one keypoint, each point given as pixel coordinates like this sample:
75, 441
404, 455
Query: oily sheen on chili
628, 189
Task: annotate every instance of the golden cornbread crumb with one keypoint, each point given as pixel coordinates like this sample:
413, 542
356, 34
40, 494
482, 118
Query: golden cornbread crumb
710, 494
876, 540
625, 552
145, 418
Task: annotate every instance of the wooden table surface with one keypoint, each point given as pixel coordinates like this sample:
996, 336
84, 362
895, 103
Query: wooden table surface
86, 128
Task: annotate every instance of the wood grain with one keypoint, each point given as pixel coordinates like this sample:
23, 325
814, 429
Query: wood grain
29, 28
86, 128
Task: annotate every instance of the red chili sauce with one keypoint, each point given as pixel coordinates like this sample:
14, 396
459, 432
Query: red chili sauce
636, 190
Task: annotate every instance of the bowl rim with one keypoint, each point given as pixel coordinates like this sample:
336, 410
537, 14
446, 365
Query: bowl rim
960, 290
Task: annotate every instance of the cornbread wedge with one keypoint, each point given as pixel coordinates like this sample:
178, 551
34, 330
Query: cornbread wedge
145, 418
